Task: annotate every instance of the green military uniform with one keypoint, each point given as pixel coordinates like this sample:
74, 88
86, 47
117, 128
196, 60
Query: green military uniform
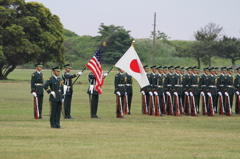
55, 84
193, 87
230, 88
217, 97
204, 87
119, 83
152, 81
213, 88
93, 95
179, 85
187, 85
36, 86
67, 78
129, 90
147, 88
237, 89
159, 88
222, 86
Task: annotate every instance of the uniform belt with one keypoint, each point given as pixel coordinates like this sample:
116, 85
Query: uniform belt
57, 90
169, 85
203, 85
229, 86
221, 85
38, 84
160, 86
195, 85
178, 85
213, 86
68, 86
121, 84
128, 84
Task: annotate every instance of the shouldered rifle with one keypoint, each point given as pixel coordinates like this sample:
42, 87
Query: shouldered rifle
35, 108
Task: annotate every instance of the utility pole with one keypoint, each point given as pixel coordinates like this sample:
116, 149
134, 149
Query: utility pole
154, 38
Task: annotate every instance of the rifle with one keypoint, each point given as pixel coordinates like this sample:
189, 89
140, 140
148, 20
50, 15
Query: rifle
211, 106
228, 107
152, 105
221, 106
164, 105
170, 105
193, 105
144, 104
63, 105
177, 104
204, 107
158, 109
79, 76
119, 106
181, 106
35, 108
188, 106
126, 104
238, 100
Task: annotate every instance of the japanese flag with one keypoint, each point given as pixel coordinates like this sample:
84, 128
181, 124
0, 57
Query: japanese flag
131, 64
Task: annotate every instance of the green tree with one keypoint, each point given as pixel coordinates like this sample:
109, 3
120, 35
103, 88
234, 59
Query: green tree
29, 33
118, 41
160, 35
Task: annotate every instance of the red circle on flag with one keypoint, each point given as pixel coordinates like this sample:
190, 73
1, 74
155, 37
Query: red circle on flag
134, 66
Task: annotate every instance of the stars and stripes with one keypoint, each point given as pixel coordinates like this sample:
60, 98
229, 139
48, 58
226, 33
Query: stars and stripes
95, 65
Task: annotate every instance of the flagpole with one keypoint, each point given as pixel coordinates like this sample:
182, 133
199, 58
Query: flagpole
79, 75
109, 70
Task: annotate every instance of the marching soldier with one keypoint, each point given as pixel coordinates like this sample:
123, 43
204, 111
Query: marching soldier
36, 87
237, 90
230, 88
93, 95
120, 91
221, 84
147, 89
129, 90
213, 87
204, 86
54, 87
68, 91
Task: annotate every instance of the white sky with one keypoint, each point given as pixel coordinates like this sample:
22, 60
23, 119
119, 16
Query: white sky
179, 19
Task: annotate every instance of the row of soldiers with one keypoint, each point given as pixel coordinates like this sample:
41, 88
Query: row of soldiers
179, 93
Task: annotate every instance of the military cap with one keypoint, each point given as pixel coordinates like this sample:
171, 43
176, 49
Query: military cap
211, 69
189, 68
165, 67
223, 68
159, 67
170, 67
182, 68
237, 68
146, 66
230, 69
198, 68
194, 68
56, 68
67, 66
38, 64
154, 66
206, 69
216, 68
178, 68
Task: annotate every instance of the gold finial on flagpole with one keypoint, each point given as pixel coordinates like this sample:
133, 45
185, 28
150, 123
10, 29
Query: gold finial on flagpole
105, 44
133, 43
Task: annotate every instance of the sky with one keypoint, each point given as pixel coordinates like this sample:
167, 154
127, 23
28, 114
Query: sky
179, 19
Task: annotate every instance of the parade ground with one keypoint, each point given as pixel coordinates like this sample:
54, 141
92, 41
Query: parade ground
135, 136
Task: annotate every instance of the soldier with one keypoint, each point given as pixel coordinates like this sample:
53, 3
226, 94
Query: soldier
237, 89
204, 86
93, 95
179, 85
152, 82
213, 87
193, 88
120, 90
186, 87
54, 87
159, 87
230, 88
197, 72
217, 96
145, 90
68, 91
36, 87
221, 84
183, 84
129, 90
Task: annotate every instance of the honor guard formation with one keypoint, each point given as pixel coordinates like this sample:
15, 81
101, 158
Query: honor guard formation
170, 92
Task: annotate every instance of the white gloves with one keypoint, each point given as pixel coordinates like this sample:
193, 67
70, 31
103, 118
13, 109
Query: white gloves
143, 93
53, 94
34, 94
150, 93
237, 93
155, 93
191, 94
105, 74
168, 93
125, 93
219, 93
175, 93
209, 94
62, 100
202, 93
79, 73
118, 93
186, 93
226, 93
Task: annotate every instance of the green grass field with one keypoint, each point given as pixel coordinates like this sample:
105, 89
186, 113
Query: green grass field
135, 136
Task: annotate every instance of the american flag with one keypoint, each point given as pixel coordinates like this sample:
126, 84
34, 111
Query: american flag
95, 65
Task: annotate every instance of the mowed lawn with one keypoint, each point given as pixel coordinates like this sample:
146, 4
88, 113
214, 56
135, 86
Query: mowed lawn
135, 136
